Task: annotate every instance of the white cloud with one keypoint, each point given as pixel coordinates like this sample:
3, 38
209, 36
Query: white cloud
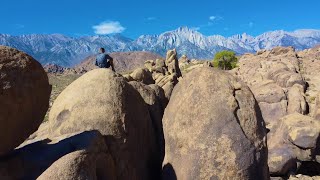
215, 18
151, 18
212, 18
195, 28
108, 27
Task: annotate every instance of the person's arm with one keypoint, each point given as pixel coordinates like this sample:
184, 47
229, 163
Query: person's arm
112, 66
95, 63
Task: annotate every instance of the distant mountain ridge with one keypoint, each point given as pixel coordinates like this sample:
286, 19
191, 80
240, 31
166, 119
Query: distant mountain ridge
68, 51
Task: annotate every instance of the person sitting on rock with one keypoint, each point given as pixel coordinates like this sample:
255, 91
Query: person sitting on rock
103, 60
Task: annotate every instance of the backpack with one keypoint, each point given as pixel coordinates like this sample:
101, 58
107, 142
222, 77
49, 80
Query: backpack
103, 60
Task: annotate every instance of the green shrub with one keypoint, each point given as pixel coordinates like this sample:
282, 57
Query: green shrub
225, 60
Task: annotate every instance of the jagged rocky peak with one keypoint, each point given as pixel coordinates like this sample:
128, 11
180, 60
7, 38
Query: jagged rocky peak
67, 51
185, 29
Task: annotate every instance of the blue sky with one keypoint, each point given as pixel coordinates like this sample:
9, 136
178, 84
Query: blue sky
133, 18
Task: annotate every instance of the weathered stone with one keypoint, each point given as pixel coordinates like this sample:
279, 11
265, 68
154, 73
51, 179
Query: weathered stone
272, 112
106, 102
281, 161
31, 160
154, 100
303, 131
303, 177
209, 117
316, 113
172, 63
142, 75
128, 77
184, 59
24, 97
81, 165
268, 92
293, 139
296, 101
149, 64
282, 50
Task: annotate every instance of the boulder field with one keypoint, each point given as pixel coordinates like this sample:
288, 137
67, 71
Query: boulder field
285, 85
173, 119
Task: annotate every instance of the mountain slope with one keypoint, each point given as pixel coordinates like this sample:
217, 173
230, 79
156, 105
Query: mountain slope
123, 61
68, 51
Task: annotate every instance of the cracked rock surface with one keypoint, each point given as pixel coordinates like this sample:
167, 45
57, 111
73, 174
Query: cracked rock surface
213, 129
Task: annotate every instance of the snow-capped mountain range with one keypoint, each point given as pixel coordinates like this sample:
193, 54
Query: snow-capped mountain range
67, 51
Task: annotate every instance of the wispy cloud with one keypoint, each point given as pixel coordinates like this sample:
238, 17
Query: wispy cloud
151, 18
195, 28
251, 24
19, 26
215, 18
212, 18
108, 27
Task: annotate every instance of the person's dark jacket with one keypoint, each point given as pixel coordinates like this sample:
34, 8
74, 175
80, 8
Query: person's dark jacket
103, 60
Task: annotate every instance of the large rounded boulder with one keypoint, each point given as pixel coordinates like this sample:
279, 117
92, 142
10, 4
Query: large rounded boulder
142, 75
81, 165
154, 97
104, 101
24, 97
214, 129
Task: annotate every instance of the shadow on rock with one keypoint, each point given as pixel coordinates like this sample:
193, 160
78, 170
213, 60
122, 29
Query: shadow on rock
30, 161
168, 172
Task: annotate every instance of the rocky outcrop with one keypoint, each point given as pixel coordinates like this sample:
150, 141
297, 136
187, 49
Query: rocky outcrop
172, 63
296, 100
275, 79
310, 64
292, 143
285, 84
183, 62
213, 129
56, 69
24, 97
123, 61
104, 101
165, 72
316, 113
142, 75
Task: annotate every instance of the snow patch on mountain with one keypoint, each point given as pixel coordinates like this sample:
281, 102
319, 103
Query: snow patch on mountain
68, 51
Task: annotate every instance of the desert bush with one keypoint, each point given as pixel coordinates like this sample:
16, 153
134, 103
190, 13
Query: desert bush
225, 60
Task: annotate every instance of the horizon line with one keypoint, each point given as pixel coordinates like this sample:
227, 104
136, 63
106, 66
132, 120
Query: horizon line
115, 34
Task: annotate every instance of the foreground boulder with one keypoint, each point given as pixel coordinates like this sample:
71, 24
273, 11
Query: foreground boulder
24, 97
103, 100
31, 160
214, 129
81, 165
154, 97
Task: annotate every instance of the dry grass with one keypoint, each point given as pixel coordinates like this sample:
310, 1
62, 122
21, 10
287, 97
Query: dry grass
59, 83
